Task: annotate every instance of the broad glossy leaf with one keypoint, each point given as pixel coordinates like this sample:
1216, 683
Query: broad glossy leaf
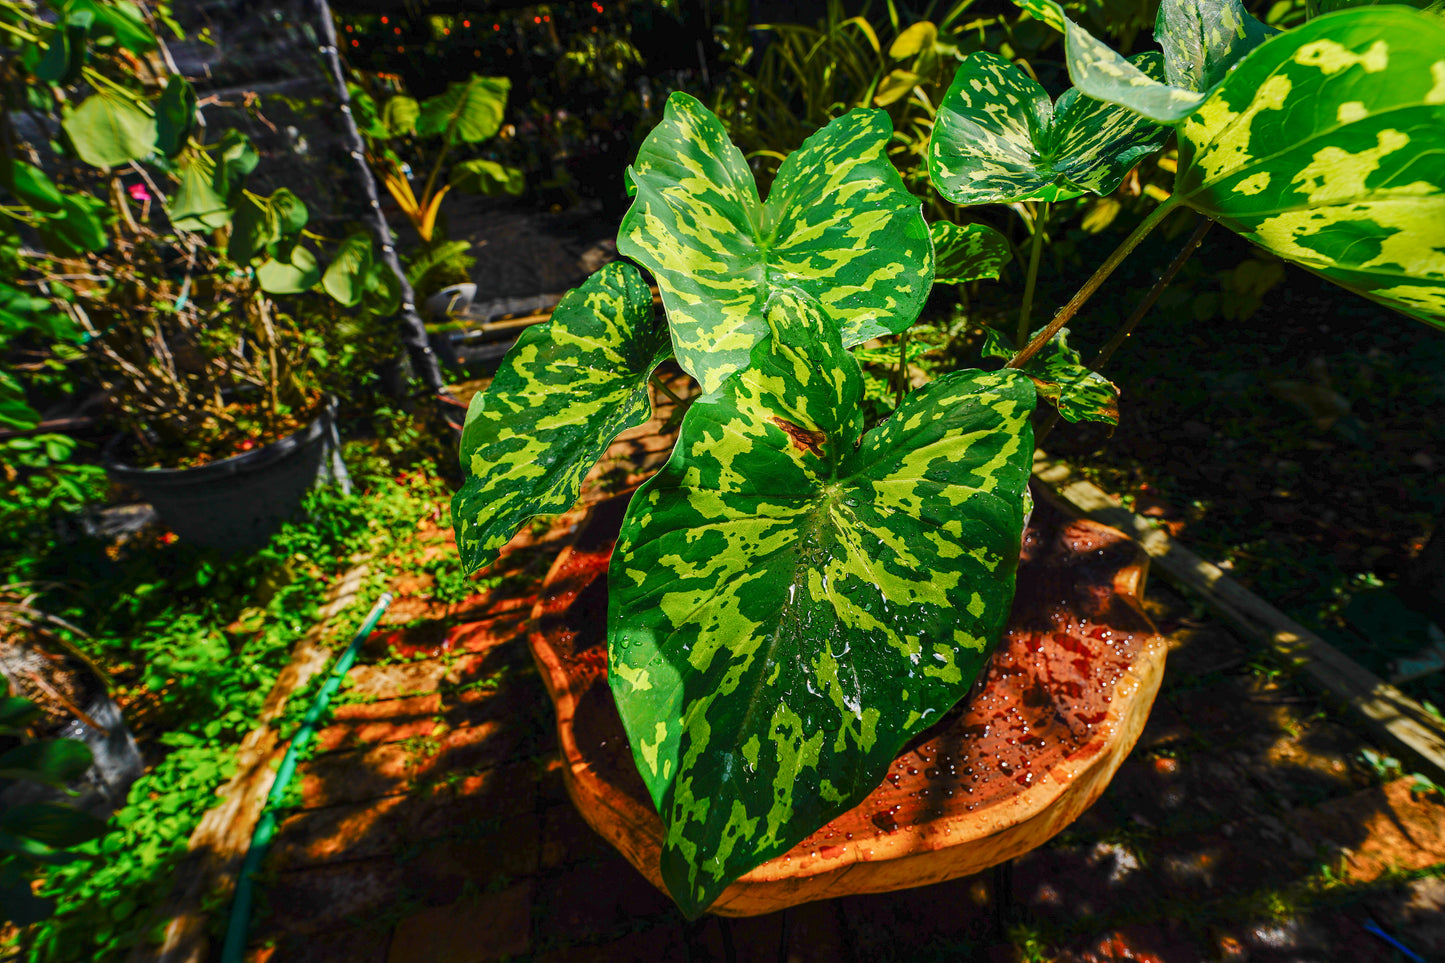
77, 229
293, 275
967, 252
466, 112
196, 206
838, 226
383, 290
291, 213
175, 116
1325, 147
253, 226
237, 158
1061, 377
564, 392
1185, 29
119, 19
914, 40
30, 185
108, 130
15, 411
366, 114
998, 138
487, 177
792, 599
347, 275
65, 56
1202, 39
399, 114
1313, 8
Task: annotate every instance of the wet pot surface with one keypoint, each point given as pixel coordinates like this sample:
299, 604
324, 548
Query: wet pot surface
1061, 705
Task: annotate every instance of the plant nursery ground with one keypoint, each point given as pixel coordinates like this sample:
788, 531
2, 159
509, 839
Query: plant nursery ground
1251, 822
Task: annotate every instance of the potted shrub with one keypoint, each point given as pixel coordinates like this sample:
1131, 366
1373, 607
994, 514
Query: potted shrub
206, 319
797, 592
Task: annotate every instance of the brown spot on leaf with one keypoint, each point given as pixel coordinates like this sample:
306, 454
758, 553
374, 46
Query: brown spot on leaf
802, 438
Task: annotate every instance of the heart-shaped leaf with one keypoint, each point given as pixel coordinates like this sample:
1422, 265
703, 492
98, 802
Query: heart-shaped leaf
65, 56
1201, 40
839, 226
292, 276
347, 275
291, 213
998, 138
565, 390
1324, 148
1061, 378
196, 206
108, 130
792, 599
175, 116
466, 112
967, 252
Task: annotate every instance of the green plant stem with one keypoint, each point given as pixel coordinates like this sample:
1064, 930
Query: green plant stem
18, 32
1120, 336
1041, 220
658, 384
98, 79
431, 179
1051, 418
1067, 312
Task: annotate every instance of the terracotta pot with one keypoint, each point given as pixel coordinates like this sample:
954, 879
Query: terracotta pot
1035, 743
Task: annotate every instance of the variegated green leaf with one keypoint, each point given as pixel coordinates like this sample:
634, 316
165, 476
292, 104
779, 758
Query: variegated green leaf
565, 390
1061, 378
1201, 39
792, 599
998, 137
1325, 146
967, 252
838, 226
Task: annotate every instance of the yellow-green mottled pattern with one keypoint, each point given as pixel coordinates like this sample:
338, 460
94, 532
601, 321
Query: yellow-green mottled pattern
565, 390
1061, 378
998, 138
792, 598
1326, 146
966, 252
1101, 73
838, 226
1202, 39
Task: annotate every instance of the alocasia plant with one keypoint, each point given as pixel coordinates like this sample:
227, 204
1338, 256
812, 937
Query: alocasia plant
796, 593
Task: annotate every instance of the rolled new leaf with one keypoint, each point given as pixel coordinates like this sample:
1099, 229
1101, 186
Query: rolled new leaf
792, 598
1324, 147
838, 226
565, 390
998, 138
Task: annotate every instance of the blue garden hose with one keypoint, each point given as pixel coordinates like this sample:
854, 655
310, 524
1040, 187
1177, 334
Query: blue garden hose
240, 922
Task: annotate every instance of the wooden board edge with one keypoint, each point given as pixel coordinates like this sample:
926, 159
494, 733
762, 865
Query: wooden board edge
1384, 711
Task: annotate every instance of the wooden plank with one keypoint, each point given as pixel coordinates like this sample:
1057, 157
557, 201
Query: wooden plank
1389, 715
207, 876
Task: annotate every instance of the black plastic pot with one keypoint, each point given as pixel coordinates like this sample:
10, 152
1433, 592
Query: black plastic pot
237, 504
